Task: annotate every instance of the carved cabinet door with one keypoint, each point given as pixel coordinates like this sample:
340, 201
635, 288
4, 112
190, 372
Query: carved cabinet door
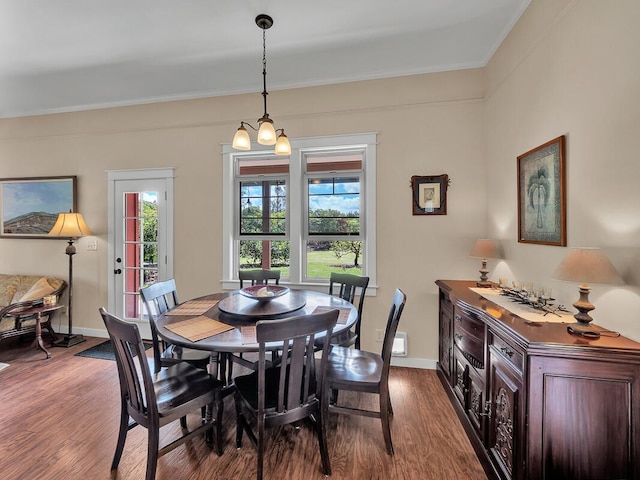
504, 424
445, 356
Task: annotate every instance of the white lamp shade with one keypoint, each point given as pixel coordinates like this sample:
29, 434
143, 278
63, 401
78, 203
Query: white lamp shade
484, 248
241, 140
283, 147
587, 265
70, 225
266, 133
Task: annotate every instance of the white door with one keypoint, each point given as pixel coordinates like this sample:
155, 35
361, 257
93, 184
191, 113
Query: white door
140, 238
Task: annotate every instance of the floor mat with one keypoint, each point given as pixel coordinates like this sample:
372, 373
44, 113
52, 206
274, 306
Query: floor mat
104, 351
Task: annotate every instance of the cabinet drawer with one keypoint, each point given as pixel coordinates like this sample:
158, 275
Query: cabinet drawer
468, 334
508, 352
472, 325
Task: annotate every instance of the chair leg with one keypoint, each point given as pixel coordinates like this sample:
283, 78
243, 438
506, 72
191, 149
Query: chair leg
385, 405
219, 411
152, 453
260, 448
122, 436
322, 438
183, 422
239, 422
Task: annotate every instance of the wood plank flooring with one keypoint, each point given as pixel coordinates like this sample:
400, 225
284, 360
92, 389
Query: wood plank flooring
59, 419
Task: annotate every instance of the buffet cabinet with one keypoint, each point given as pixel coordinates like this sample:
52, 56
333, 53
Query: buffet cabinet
536, 401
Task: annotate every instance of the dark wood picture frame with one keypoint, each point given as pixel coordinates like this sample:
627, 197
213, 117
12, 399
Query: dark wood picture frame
29, 207
429, 194
542, 206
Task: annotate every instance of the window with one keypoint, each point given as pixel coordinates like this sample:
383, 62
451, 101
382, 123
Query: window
306, 215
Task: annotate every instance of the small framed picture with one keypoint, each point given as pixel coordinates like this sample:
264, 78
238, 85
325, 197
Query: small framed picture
29, 207
542, 214
429, 194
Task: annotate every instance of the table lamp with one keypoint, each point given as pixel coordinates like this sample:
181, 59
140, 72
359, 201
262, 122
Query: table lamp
70, 225
585, 266
484, 248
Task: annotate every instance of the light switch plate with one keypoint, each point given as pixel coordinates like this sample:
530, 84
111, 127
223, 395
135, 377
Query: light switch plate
92, 244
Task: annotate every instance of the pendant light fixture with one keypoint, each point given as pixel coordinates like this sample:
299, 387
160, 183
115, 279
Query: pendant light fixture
267, 133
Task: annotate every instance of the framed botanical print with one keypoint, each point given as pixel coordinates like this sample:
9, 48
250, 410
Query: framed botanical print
542, 214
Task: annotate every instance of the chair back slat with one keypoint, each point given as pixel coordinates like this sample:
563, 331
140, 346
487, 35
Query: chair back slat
297, 383
259, 277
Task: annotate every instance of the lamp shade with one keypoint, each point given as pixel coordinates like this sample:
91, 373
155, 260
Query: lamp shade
70, 225
266, 132
283, 147
587, 265
484, 248
241, 140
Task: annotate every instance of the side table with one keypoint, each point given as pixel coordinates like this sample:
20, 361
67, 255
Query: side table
38, 313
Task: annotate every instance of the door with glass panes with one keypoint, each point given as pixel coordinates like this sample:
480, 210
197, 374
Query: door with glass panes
140, 238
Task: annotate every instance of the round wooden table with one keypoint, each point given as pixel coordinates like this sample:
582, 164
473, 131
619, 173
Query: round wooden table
244, 312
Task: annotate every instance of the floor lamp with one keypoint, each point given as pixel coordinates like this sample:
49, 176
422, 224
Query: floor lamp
70, 225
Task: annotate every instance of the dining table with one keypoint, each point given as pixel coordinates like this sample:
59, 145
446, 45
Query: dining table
225, 322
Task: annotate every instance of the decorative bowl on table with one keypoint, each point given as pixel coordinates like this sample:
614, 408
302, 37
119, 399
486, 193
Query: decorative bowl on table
264, 293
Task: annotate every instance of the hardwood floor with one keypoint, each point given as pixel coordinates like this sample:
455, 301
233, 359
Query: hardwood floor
59, 418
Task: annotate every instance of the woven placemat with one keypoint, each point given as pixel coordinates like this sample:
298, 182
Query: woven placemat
195, 329
342, 317
193, 307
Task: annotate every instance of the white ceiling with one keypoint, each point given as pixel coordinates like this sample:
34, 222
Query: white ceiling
63, 55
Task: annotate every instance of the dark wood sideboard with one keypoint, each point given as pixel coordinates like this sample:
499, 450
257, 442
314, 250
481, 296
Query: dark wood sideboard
536, 401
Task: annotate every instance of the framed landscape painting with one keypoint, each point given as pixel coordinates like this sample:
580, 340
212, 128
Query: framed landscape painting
29, 207
542, 215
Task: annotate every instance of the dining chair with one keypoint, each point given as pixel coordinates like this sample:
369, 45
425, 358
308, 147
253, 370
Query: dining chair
293, 390
355, 370
159, 298
347, 286
258, 277
153, 400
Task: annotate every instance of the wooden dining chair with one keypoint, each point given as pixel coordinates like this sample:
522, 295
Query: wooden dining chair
155, 400
360, 371
293, 390
347, 286
159, 298
258, 277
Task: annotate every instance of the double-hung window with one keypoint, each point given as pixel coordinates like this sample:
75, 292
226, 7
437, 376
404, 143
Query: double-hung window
306, 215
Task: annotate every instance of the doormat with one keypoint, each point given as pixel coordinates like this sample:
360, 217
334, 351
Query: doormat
3, 365
105, 351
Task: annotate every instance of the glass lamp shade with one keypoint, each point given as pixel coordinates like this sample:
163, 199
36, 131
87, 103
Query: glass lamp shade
283, 147
70, 225
241, 140
266, 133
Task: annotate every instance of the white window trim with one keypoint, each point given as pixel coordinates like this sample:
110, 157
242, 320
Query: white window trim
299, 147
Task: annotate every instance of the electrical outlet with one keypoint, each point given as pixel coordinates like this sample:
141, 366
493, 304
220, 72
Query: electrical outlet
92, 244
379, 335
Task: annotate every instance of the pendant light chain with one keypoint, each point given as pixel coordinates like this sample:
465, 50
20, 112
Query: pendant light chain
267, 133
264, 71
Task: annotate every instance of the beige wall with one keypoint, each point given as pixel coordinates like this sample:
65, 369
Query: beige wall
571, 68
428, 125
567, 67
